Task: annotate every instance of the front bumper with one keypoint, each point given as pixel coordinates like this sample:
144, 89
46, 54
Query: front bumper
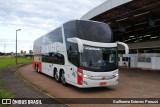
87, 83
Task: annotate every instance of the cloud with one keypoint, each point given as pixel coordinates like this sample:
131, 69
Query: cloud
37, 17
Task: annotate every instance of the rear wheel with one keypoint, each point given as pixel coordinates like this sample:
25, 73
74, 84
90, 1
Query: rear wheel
63, 79
53, 74
57, 76
37, 69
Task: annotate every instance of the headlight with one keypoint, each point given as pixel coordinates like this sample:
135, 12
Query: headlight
116, 74
86, 76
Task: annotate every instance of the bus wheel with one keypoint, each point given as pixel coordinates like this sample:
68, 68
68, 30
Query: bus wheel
57, 77
37, 69
63, 79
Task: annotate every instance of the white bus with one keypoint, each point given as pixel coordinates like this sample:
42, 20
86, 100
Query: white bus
80, 53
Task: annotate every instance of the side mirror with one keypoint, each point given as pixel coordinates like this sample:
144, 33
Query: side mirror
78, 41
125, 45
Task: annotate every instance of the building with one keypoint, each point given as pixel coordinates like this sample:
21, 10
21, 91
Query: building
135, 22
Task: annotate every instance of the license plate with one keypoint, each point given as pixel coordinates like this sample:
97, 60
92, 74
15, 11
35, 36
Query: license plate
103, 83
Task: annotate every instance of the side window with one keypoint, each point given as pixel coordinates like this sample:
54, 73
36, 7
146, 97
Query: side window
56, 35
123, 58
59, 58
45, 57
55, 58
51, 58
70, 31
72, 51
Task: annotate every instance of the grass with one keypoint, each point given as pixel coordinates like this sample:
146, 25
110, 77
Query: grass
5, 62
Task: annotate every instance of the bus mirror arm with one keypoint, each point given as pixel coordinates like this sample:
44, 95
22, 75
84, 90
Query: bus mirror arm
78, 41
125, 45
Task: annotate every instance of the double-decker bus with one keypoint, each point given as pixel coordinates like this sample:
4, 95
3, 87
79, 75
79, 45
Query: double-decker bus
80, 53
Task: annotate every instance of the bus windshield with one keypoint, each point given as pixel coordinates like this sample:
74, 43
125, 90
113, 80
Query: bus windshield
98, 59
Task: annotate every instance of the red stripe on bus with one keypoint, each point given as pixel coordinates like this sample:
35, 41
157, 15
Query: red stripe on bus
80, 77
39, 65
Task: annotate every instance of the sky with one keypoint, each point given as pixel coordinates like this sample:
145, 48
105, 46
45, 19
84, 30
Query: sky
36, 18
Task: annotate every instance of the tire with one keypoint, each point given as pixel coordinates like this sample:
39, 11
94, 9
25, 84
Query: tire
53, 74
63, 79
37, 69
56, 76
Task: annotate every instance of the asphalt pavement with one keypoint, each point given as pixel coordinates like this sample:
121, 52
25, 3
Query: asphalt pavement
133, 83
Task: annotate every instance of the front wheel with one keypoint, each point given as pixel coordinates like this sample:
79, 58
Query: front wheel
63, 79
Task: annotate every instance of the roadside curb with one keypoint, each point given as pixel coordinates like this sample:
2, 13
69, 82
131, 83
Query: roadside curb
36, 87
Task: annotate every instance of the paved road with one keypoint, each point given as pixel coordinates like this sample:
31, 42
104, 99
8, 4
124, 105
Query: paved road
132, 84
20, 89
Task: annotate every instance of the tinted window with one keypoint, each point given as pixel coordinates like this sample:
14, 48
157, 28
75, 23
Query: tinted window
72, 52
88, 30
94, 31
70, 30
99, 59
53, 36
72, 48
55, 58
56, 35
